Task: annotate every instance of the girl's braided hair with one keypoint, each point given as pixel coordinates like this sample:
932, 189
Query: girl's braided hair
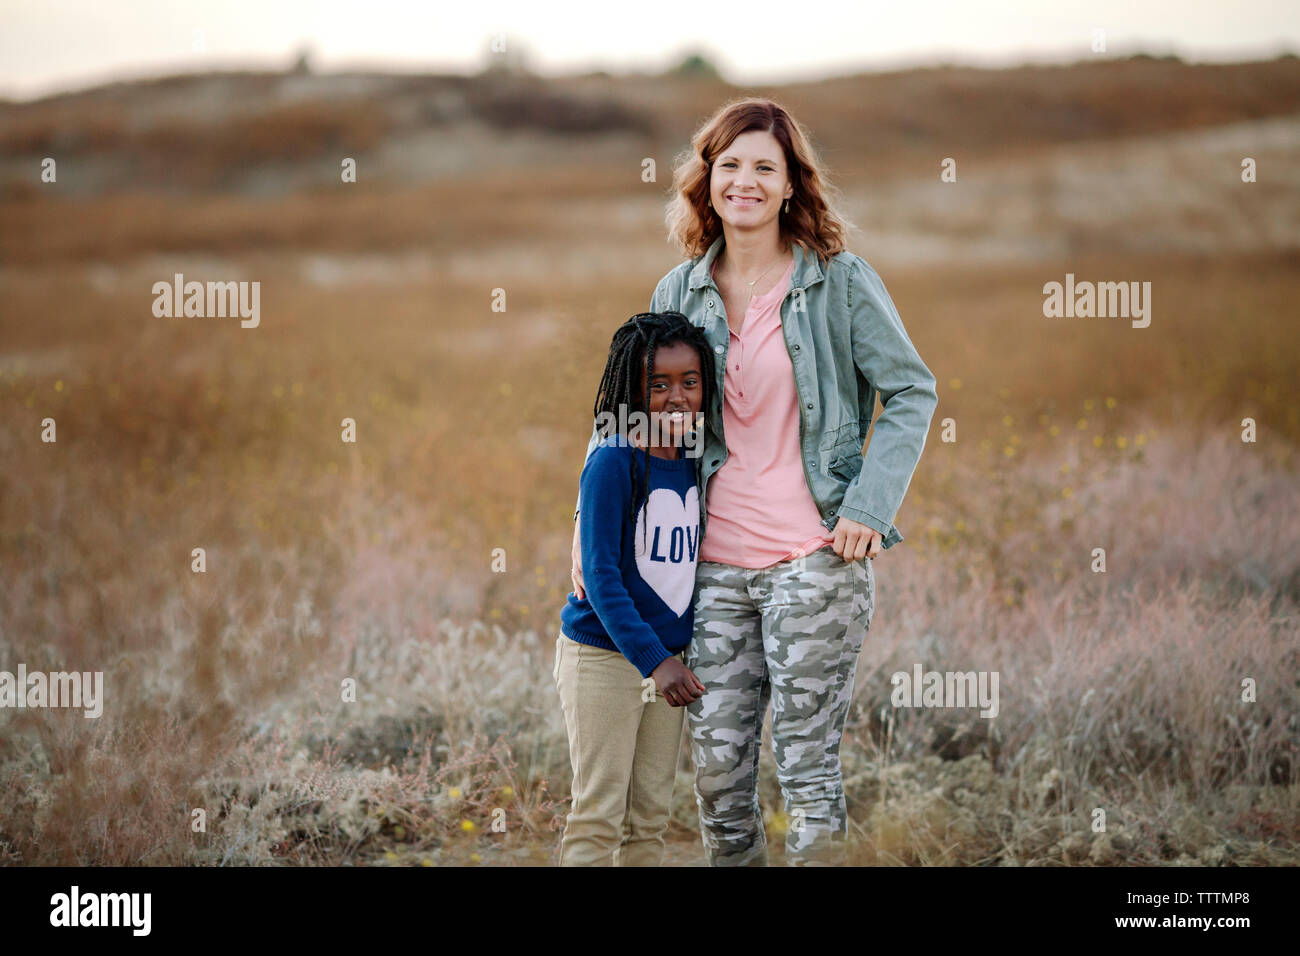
633, 349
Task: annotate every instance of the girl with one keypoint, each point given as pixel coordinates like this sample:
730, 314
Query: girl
805, 337
618, 659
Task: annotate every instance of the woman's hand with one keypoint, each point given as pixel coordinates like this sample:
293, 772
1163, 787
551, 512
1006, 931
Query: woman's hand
576, 571
854, 541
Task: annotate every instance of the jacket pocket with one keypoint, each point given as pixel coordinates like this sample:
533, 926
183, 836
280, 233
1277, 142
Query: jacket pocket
848, 464
842, 451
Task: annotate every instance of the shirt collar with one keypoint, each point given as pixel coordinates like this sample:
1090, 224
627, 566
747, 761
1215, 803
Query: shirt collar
807, 270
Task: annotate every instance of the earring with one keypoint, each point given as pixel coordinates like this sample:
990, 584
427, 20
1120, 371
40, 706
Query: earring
787, 205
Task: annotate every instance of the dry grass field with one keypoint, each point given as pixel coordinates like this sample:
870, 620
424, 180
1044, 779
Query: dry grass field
372, 562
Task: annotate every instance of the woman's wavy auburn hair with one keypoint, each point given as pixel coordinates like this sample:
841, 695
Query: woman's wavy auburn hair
812, 220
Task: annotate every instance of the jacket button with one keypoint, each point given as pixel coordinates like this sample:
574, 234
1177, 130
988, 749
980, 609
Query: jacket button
718, 349
810, 404
710, 303
796, 348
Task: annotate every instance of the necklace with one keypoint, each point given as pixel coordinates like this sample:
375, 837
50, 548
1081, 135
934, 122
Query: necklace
751, 282
761, 274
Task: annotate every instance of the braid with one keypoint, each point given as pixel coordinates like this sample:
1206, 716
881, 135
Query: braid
632, 349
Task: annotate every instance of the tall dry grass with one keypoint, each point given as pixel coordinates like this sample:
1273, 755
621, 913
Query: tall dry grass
1118, 690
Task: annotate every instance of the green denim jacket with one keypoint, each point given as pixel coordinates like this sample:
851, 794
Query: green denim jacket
846, 343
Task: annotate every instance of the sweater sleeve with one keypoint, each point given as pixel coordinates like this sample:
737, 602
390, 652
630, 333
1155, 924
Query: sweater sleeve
591, 443
607, 491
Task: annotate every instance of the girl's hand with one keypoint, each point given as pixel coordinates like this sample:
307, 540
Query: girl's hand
576, 571
677, 683
854, 541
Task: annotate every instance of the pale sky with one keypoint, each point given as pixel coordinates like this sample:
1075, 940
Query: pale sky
49, 46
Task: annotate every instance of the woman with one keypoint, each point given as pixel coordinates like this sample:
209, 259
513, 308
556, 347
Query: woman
804, 337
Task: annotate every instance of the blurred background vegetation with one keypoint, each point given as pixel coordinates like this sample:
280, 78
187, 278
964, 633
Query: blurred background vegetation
328, 560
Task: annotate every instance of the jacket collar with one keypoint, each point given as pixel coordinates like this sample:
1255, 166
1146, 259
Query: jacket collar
807, 270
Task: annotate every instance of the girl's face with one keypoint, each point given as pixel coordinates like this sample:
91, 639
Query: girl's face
676, 391
751, 168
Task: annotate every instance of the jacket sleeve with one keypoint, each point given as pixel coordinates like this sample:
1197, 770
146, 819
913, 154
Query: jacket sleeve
608, 488
886, 358
655, 306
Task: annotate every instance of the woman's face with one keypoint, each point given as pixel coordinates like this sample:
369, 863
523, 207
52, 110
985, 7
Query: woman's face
752, 167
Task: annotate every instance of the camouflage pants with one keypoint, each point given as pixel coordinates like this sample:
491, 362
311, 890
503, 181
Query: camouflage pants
790, 633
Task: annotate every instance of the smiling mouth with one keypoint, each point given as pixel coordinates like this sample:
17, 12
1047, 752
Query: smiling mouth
744, 200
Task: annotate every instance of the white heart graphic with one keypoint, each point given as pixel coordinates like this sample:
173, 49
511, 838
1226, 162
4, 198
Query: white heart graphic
674, 531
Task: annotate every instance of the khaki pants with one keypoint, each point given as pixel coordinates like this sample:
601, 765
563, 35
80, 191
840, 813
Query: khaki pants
624, 755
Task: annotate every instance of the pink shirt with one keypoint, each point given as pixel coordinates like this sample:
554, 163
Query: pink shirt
760, 510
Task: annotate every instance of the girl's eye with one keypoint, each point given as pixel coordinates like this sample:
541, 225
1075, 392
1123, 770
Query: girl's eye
762, 166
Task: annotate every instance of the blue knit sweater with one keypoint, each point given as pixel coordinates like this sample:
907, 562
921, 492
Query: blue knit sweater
640, 596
